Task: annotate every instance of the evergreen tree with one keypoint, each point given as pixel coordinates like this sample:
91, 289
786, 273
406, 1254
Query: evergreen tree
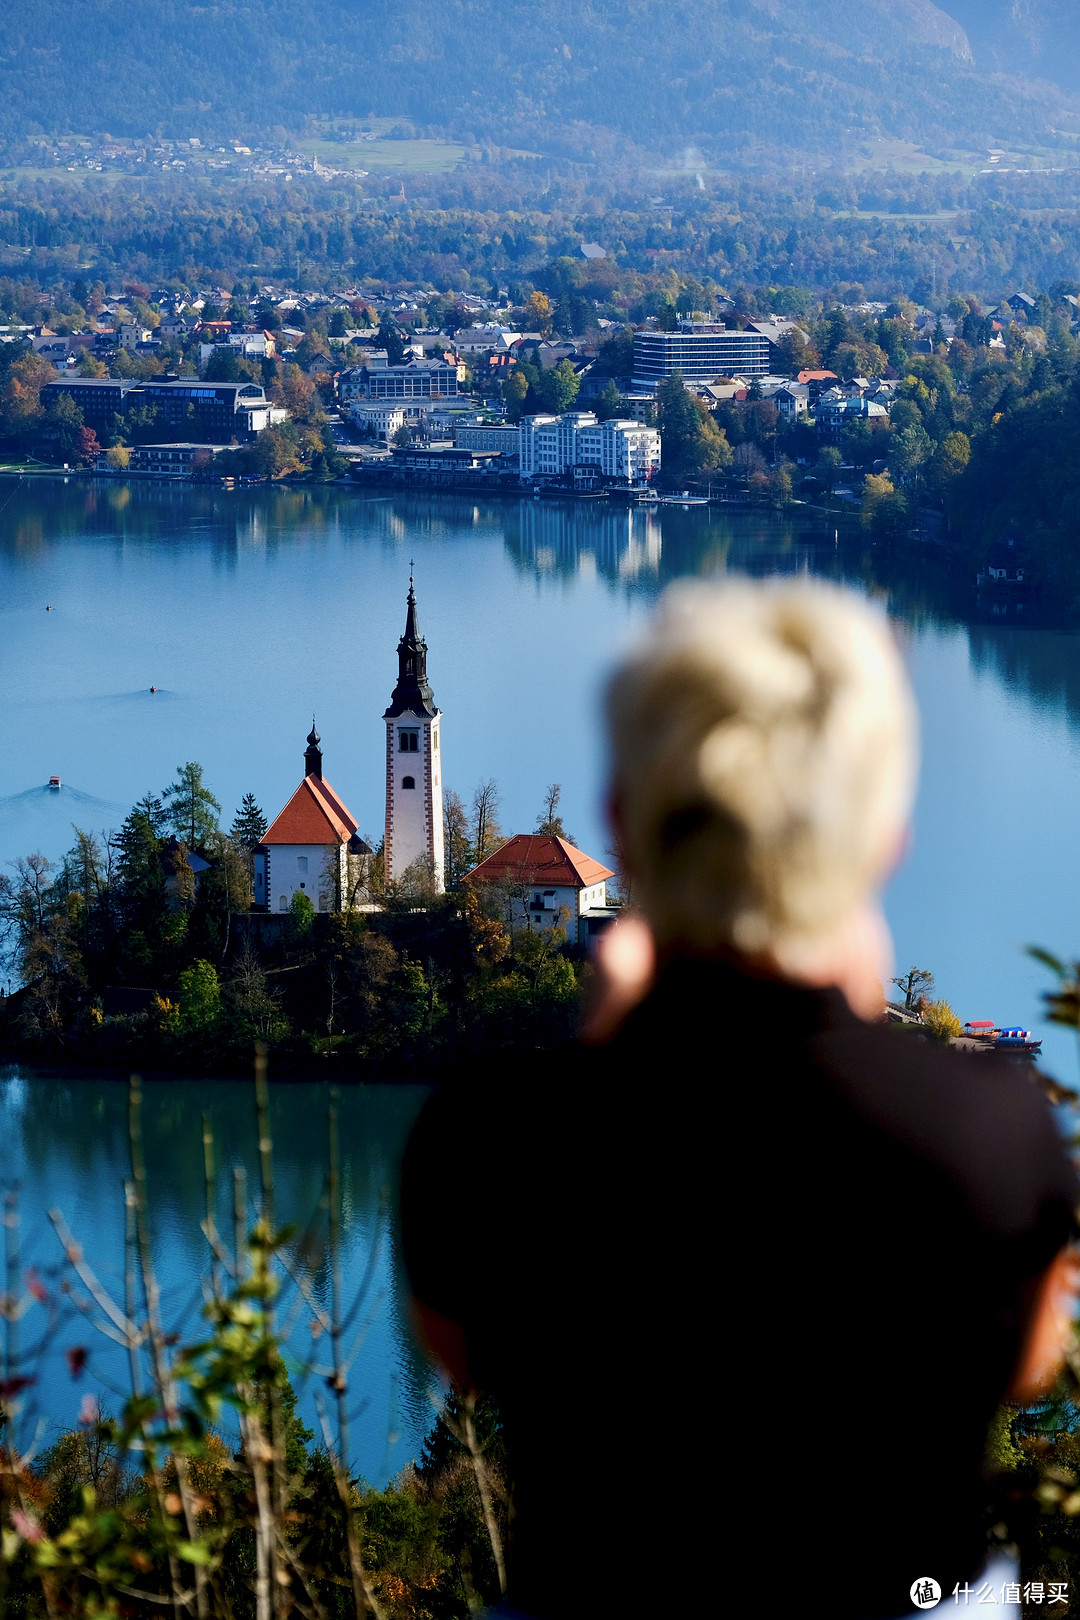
249, 824
693, 444
666, 316
610, 404
144, 900
190, 807
392, 341
224, 365
140, 838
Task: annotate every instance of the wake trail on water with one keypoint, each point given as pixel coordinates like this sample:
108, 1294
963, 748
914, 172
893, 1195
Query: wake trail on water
89, 801
100, 699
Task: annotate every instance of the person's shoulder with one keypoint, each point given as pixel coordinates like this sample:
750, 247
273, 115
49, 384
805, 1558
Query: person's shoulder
982, 1120
497, 1097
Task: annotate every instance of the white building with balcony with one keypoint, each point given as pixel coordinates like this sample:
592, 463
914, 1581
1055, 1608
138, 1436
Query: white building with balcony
552, 446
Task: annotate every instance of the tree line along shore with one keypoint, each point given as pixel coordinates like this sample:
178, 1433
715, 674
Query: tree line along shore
126, 958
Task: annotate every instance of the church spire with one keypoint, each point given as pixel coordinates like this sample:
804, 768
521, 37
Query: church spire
313, 753
413, 692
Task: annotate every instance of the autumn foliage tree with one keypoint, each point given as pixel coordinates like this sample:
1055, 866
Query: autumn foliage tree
693, 444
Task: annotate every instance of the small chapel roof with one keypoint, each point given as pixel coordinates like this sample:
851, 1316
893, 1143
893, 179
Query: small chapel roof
314, 815
540, 858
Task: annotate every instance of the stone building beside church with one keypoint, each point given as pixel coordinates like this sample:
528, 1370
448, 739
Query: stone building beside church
545, 882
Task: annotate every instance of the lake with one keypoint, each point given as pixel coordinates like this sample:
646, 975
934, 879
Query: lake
250, 610
67, 1148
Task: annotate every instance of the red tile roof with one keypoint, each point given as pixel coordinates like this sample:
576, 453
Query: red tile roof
539, 858
314, 815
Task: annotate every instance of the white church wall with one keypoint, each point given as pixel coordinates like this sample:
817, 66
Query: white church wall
298, 868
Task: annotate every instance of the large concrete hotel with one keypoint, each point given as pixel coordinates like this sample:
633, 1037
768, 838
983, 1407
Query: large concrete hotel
701, 352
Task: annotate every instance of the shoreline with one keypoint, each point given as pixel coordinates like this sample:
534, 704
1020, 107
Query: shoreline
376, 481
76, 1073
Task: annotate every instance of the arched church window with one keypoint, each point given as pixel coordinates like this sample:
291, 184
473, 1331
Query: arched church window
408, 742
408, 782
283, 904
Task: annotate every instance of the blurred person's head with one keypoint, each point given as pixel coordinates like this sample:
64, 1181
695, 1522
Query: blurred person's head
764, 756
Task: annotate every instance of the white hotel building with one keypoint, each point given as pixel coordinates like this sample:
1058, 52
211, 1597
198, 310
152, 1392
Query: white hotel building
552, 446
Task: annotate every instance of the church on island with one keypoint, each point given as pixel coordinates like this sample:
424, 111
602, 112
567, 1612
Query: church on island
313, 846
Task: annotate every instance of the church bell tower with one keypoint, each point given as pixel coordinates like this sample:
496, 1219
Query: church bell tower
414, 800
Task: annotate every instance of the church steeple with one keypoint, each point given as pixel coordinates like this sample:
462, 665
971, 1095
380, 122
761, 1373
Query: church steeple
413, 839
413, 692
313, 753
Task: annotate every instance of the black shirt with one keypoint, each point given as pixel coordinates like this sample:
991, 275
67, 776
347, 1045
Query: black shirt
747, 1284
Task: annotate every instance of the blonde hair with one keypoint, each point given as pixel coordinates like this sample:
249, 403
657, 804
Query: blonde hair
764, 758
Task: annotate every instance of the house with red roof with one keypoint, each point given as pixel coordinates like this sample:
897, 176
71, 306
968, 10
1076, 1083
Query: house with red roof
539, 875
817, 382
312, 847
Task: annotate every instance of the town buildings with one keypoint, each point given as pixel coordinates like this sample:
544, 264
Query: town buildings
837, 409
441, 464
552, 446
213, 413
418, 379
488, 437
701, 351
176, 460
381, 420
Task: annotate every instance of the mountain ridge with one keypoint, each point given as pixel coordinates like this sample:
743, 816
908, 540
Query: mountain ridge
1037, 38
736, 77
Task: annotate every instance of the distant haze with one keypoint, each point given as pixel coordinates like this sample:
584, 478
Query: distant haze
1040, 38
736, 77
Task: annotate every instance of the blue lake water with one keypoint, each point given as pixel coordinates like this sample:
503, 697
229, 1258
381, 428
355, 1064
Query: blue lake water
249, 610
67, 1149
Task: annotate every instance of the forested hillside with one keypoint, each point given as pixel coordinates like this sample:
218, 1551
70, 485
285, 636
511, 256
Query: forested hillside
487, 228
738, 77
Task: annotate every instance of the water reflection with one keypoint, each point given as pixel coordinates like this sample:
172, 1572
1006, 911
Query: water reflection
249, 608
67, 1146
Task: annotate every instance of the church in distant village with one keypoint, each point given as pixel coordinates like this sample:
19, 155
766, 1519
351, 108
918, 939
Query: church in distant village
313, 847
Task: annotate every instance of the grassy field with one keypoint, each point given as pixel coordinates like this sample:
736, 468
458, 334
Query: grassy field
79, 177
380, 151
907, 158
409, 157
886, 214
